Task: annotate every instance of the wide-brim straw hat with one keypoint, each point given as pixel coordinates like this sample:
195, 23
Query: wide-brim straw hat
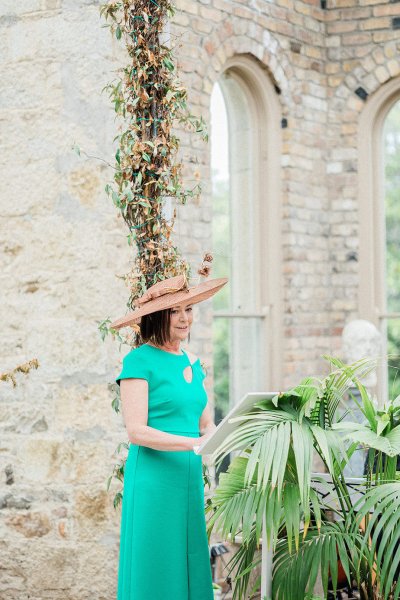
168, 293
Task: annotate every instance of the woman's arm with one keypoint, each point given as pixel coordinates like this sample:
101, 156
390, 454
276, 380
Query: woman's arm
207, 424
134, 400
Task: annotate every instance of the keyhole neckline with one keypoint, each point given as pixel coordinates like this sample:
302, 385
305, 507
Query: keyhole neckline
191, 365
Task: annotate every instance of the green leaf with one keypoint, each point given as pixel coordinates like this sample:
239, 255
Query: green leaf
369, 410
302, 446
168, 64
291, 505
294, 574
388, 443
280, 455
253, 461
382, 422
118, 33
275, 400
381, 541
325, 448
316, 508
333, 562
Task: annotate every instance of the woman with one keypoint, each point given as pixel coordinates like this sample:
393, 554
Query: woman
164, 547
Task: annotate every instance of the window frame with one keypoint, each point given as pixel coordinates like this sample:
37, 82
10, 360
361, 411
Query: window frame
265, 113
371, 205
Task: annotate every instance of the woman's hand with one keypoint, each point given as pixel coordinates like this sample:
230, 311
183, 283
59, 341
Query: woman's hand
197, 442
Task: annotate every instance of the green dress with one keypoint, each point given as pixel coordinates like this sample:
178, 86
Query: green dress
164, 551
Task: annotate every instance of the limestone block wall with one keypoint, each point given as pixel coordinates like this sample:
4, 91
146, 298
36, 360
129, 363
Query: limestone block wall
61, 249
62, 244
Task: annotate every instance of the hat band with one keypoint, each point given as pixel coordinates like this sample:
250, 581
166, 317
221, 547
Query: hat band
153, 294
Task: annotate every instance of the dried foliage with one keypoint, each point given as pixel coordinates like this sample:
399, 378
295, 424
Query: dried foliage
150, 99
205, 268
24, 368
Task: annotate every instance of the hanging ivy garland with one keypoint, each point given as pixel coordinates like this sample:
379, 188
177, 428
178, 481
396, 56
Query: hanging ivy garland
150, 100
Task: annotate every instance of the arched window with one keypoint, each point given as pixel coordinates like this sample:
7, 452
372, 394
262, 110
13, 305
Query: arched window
245, 165
379, 205
391, 319
221, 234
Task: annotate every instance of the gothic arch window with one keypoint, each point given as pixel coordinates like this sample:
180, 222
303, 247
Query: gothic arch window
391, 143
379, 205
245, 165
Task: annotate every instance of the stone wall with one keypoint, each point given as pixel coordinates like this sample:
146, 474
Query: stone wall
62, 247
62, 244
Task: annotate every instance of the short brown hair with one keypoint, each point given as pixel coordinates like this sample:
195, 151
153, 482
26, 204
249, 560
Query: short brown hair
155, 327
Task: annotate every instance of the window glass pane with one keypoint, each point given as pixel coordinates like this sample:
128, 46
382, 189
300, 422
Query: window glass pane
221, 221
221, 240
392, 222
248, 356
221, 247
238, 336
221, 224
221, 331
393, 350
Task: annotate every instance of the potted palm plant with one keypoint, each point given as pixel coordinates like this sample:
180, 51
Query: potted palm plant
271, 479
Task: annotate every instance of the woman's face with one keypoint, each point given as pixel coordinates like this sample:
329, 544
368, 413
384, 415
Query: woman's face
181, 318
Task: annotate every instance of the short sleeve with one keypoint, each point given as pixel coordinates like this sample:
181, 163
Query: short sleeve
133, 367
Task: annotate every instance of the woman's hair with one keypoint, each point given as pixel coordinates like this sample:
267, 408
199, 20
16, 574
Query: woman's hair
155, 327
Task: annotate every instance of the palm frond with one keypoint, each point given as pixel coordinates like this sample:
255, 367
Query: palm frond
252, 426
330, 447
235, 504
387, 442
295, 573
339, 381
271, 483
244, 561
303, 449
381, 541
238, 505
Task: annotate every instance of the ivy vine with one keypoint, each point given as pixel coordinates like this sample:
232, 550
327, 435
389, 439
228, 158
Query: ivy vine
149, 101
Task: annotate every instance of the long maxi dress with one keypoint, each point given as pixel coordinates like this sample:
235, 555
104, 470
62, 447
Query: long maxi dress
164, 551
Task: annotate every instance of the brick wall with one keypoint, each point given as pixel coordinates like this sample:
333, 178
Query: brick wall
318, 58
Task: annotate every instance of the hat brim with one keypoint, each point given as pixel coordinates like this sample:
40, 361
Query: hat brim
193, 295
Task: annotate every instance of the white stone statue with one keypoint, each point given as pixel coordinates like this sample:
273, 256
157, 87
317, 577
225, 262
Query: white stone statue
361, 339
